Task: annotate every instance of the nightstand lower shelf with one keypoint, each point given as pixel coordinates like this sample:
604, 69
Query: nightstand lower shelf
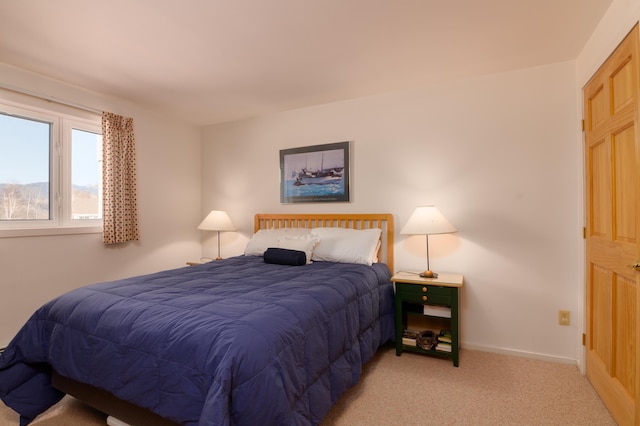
431, 352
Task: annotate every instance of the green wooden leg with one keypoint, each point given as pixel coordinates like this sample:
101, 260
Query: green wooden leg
455, 329
398, 325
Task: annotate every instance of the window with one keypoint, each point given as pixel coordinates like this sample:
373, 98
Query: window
25, 152
86, 175
50, 170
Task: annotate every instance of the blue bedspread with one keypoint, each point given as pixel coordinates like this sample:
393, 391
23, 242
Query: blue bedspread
224, 343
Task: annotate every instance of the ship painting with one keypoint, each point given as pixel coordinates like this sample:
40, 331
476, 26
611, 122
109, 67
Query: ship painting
317, 173
322, 176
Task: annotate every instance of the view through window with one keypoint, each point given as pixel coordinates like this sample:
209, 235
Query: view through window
86, 175
25, 157
50, 169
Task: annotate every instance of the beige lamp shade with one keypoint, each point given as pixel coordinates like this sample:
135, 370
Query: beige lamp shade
217, 220
427, 220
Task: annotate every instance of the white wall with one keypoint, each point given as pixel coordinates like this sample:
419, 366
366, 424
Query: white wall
36, 269
612, 29
497, 155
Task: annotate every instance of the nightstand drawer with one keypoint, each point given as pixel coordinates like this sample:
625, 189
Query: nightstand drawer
424, 294
426, 299
423, 289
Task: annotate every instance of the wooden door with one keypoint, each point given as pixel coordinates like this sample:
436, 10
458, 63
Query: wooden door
612, 156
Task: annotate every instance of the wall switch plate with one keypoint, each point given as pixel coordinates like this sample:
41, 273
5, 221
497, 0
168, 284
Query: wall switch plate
564, 317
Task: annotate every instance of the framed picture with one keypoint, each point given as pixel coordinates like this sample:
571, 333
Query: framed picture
318, 173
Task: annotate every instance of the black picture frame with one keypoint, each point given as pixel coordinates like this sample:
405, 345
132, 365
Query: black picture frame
318, 173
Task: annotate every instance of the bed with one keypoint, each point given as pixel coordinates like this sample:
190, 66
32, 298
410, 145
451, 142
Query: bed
249, 339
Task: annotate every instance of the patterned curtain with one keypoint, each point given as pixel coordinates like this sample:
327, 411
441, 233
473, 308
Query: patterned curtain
120, 210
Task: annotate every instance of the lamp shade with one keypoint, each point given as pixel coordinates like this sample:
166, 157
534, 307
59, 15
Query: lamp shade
427, 220
217, 220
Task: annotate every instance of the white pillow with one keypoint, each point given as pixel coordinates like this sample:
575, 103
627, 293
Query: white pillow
265, 238
374, 259
346, 245
304, 243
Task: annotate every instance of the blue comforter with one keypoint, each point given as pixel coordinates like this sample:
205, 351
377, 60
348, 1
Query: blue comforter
224, 343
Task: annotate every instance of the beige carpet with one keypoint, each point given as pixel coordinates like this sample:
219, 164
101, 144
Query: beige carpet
487, 389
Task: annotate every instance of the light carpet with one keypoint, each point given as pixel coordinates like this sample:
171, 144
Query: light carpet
487, 389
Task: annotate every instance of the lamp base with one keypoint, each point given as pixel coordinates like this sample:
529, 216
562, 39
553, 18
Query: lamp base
218, 258
428, 274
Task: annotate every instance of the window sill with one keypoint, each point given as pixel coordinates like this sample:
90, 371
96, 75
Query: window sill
44, 232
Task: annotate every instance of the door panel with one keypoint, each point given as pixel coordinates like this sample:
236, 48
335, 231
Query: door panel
600, 223
597, 107
625, 361
622, 85
612, 152
625, 188
602, 325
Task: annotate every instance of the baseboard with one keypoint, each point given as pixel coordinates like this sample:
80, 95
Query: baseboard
521, 354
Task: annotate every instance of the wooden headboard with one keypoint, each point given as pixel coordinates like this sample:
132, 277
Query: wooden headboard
384, 221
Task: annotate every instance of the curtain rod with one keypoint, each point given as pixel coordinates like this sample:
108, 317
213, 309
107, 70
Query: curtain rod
49, 98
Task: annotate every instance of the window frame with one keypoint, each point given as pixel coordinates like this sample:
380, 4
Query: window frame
69, 125
60, 220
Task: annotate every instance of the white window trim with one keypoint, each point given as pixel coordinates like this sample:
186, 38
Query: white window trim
41, 232
60, 221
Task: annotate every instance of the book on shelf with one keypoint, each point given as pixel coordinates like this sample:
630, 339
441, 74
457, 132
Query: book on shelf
409, 337
409, 342
443, 347
411, 334
444, 341
444, 338
437, 311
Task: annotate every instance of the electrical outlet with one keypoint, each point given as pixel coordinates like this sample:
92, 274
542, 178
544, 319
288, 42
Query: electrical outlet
564, 317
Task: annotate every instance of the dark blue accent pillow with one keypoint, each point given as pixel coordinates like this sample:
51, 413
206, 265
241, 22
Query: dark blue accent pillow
282, 256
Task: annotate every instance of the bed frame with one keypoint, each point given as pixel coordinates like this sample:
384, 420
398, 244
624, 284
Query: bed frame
132, 414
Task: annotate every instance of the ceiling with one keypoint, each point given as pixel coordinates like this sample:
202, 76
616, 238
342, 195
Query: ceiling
211, 61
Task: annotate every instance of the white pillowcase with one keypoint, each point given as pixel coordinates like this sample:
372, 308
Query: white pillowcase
265, 238
346, 245
304, 243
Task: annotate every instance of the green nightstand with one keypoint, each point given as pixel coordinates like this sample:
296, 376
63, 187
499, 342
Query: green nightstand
437, 301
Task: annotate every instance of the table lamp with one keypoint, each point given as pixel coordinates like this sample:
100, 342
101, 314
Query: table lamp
427, 220
217, 220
